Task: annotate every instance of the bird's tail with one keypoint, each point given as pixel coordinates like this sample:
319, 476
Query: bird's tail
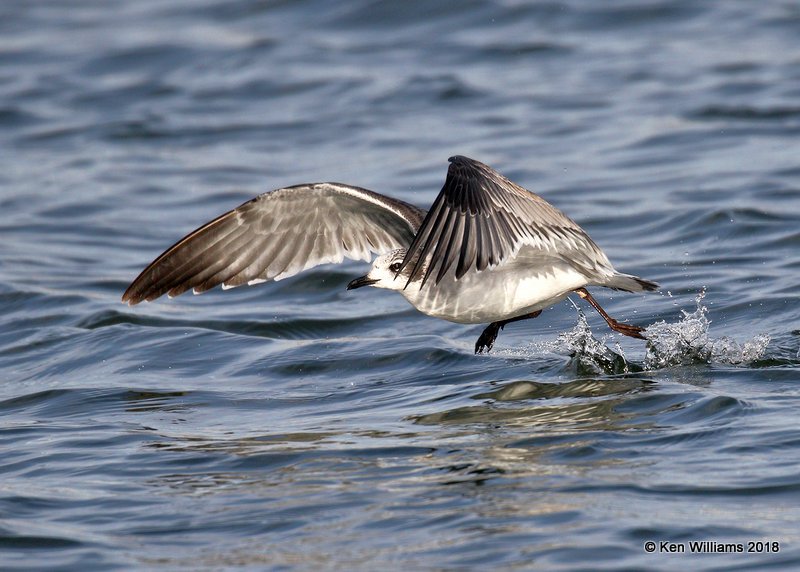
629, 283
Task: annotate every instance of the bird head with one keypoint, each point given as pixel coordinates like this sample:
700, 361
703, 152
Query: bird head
384, 272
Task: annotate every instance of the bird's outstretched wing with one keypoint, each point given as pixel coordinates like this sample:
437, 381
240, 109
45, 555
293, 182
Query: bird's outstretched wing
480, 218
279, 234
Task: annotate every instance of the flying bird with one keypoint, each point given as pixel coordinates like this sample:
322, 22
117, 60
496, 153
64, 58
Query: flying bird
487, 252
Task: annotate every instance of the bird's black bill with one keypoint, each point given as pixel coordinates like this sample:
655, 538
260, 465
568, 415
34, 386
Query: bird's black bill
359, 282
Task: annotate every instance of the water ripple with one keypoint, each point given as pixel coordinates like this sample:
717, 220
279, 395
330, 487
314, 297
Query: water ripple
299, 426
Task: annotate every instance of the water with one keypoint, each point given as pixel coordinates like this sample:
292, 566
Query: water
300, 426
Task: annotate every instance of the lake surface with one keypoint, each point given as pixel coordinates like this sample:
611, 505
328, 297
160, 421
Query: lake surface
299, 426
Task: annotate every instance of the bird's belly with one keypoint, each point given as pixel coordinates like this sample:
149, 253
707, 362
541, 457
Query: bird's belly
494, 294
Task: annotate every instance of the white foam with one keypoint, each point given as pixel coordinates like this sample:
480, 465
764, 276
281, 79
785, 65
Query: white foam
684, 342
688, 341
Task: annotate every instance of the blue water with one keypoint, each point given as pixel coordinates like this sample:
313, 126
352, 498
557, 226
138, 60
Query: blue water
299, 426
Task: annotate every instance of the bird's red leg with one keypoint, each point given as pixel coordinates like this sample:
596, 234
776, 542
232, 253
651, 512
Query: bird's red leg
626, 329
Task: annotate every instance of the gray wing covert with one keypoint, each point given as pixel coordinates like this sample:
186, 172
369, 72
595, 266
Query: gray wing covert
480, 218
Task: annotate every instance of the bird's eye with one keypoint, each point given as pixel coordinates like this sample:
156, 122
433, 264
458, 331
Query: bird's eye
395, 267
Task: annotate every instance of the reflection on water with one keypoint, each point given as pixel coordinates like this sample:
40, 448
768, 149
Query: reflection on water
588, 387
588, 403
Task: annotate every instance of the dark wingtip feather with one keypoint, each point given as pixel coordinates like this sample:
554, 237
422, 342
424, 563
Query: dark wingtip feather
131, 297
647, 284
629, 283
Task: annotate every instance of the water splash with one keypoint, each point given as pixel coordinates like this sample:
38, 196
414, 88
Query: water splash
684, 342
687, 341
589, 354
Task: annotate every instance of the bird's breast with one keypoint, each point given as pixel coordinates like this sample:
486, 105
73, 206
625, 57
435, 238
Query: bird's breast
510, 289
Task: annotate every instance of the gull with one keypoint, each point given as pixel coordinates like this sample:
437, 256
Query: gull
487, 251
